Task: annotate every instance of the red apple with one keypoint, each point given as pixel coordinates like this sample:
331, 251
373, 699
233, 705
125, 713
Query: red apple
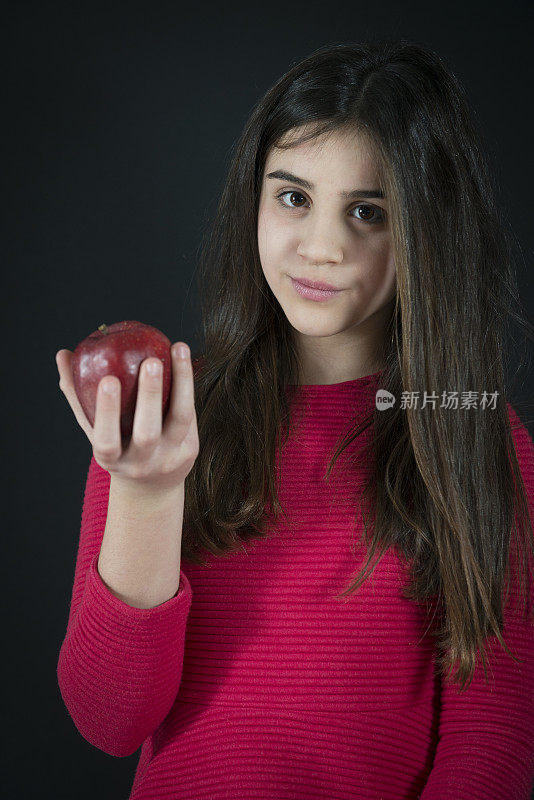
118, 350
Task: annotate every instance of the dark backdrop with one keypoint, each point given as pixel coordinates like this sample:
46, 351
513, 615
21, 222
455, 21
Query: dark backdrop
119, 121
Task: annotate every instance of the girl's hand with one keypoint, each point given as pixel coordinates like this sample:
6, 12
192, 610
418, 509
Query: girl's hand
154, 458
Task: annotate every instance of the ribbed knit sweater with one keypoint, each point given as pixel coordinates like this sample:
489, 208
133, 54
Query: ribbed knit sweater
253, 681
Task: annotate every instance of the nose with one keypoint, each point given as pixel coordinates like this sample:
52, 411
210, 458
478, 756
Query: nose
321, 244
317, 251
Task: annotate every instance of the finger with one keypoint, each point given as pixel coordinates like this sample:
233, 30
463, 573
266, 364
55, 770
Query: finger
182, 400
107, 431
66, 384
147, 418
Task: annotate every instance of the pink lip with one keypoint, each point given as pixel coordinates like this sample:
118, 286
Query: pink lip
310, 293
327, 287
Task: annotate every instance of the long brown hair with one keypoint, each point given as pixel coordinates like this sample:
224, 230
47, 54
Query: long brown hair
446, 488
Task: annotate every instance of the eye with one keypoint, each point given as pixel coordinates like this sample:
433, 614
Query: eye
378, 213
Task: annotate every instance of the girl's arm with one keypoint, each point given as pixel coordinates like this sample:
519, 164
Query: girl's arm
119, 667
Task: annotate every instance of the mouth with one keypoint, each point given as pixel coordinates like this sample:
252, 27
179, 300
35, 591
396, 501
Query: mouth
327, 287
309, 293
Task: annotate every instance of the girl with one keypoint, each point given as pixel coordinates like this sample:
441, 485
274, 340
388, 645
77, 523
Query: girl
282, 667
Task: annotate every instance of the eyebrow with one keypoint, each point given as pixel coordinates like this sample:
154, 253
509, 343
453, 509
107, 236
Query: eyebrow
288, 176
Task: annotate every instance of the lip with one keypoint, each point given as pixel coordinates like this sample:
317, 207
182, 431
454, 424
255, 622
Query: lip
309, 293
327, 287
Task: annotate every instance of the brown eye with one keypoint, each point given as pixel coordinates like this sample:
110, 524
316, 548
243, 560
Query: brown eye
293, 194
366, 211
370, 210
370, 215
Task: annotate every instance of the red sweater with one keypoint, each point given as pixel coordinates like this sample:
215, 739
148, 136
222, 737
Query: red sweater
254, 682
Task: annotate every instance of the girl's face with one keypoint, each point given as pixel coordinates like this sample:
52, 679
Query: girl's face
316, 233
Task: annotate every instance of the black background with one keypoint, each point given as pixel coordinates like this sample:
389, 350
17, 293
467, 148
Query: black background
119, 122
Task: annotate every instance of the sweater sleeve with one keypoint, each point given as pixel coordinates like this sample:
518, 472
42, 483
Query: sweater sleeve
119, 667
486, 734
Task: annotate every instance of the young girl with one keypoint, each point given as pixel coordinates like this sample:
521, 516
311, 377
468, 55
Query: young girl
251, 651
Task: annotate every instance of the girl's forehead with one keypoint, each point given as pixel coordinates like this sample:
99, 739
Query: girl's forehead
290, 145
359, 161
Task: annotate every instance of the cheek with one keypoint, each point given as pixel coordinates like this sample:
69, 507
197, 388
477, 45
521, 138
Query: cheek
264, 236
384, 270
391, 274
379, 281
271, 239
267, 259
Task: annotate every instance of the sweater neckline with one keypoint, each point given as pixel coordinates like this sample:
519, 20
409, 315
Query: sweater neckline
325, 388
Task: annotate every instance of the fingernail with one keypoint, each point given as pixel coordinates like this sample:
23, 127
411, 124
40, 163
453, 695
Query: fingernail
110, 387
154, 367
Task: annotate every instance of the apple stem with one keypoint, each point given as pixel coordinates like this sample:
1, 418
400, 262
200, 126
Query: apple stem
103, 328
